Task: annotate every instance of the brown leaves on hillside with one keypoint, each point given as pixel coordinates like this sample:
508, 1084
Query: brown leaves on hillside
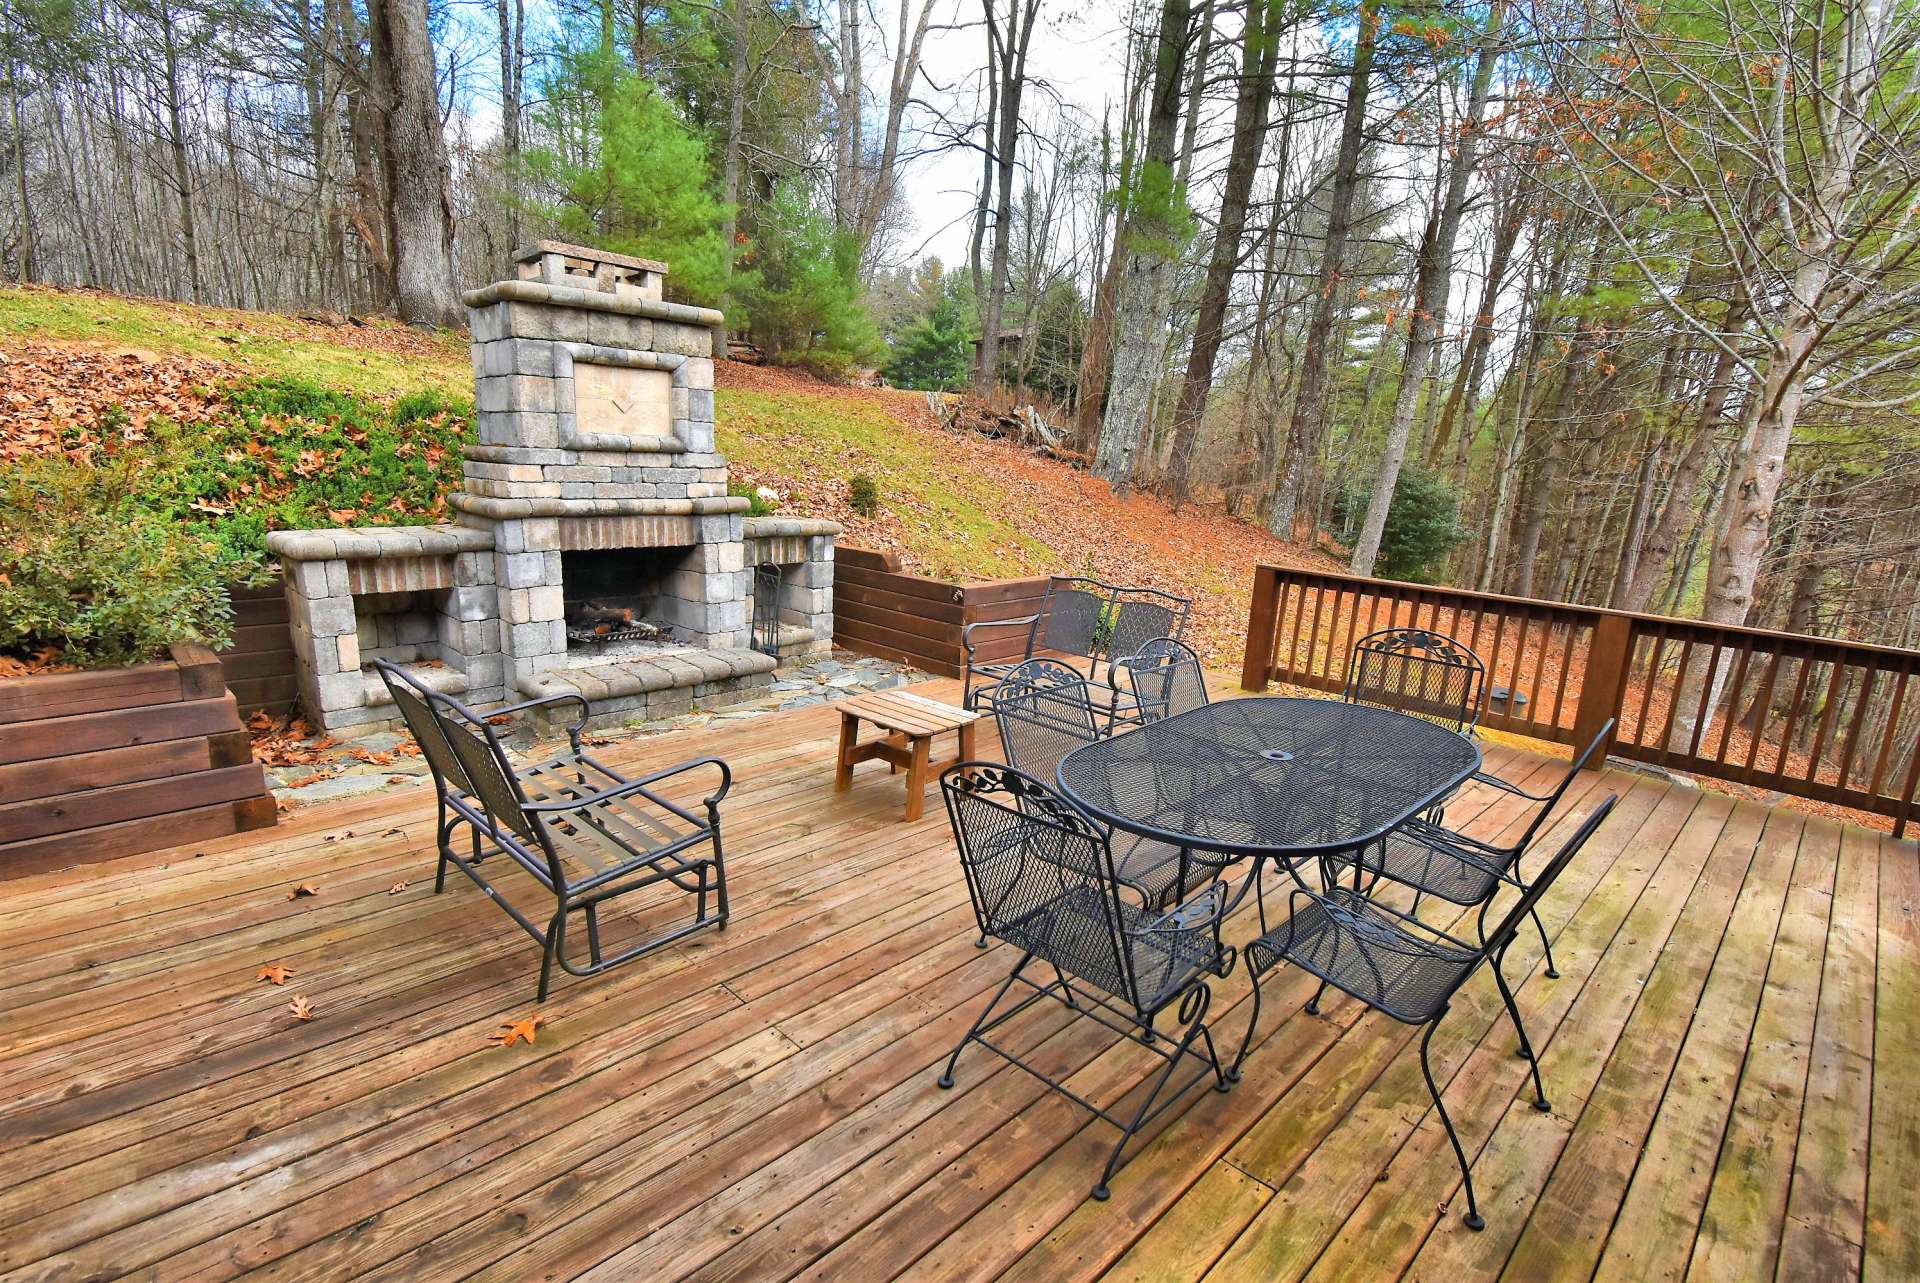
74, 399
1073, 523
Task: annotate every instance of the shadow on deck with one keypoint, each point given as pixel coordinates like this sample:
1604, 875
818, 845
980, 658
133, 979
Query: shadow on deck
759, 1103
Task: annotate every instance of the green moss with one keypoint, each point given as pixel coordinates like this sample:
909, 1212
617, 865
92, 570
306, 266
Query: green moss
262, 343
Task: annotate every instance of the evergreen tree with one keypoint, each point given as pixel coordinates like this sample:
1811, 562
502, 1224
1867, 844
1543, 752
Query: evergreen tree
624, 172
798, 287
935, 354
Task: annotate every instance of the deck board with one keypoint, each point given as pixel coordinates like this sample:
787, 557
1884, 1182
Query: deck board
1727, 1052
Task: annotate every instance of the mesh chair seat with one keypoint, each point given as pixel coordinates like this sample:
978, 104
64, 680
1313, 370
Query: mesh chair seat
1357, 947
1153, 868
1071, 931
1419, 856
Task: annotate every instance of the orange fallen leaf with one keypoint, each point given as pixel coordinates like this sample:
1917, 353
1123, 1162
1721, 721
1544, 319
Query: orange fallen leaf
305, 888
274, 973
520, 1030
300, 1008
397, 887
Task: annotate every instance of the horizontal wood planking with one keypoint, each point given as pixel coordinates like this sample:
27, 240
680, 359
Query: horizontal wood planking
1683, 694
762, 1102
881, 610
29, 699
116, 728
259, 663
127, 777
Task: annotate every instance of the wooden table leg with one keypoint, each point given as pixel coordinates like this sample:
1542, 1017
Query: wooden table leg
843, 763
917, 777
966, 741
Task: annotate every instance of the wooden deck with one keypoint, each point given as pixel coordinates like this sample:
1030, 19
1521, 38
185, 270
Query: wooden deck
1732, 1052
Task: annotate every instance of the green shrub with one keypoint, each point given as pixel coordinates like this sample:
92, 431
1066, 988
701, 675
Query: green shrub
758, 504
87, 565
1423, 525
863, 494
935, 354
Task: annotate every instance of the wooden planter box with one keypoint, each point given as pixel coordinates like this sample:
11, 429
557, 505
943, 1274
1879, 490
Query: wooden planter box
102, 764
879, 610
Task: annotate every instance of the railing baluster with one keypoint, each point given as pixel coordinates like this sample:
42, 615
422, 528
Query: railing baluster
1892, 731
1733, 702
1835, 684
1701, 713
1765, 715
1793, 715
1566, 673
1646, 689
1865, 697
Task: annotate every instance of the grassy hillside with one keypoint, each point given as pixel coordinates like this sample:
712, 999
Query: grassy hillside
294, 420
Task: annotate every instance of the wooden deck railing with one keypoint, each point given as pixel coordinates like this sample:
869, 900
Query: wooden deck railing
1808, 716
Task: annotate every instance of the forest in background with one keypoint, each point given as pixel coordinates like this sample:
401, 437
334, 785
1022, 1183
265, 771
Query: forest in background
1586, 300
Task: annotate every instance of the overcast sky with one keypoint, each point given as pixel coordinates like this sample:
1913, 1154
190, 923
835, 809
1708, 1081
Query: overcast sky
1079, 51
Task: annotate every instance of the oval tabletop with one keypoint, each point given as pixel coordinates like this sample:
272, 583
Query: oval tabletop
1270, 775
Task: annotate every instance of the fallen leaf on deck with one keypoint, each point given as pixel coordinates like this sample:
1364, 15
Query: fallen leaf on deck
520, 1030
305, 888
300, 1008
397, 887
274, 973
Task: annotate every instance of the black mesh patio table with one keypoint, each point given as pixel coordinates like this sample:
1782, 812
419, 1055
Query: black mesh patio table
1269, 776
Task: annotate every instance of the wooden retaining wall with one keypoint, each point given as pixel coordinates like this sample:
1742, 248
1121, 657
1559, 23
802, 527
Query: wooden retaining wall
878, 609
101, 764
259, 664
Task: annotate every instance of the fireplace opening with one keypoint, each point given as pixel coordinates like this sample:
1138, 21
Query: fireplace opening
618, 595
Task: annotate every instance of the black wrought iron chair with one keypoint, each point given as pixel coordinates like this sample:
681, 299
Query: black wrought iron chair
1084, 623
1043, 712
1042, 879
1446, 863
1397, 964
1418, 672
1166, 677
583, 831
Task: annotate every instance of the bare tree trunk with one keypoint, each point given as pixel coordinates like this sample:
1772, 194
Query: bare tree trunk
1465, 395
1671, 523
1260, 47
1009, 66
419, 195
1140, 309
1431, 293
1315, 383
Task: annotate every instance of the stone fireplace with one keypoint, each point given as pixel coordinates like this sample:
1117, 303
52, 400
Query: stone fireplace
594, 504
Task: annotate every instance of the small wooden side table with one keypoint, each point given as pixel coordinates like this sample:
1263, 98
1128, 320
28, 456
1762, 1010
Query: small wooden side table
910, 722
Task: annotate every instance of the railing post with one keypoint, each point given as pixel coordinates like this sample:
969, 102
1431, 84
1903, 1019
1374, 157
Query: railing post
1262, 621
1603, 688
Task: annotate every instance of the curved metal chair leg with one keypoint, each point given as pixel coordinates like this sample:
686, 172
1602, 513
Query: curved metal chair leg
550, 949
946, 1075
1473, 1218
1526, 1044
1552, 972
1253, 1022
1313, 1003
1195, 1026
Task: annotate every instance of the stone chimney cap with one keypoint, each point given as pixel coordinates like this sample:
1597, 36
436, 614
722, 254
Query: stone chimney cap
534, 252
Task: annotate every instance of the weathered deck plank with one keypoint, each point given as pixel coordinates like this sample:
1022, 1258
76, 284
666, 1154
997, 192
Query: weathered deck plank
1724, 1051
